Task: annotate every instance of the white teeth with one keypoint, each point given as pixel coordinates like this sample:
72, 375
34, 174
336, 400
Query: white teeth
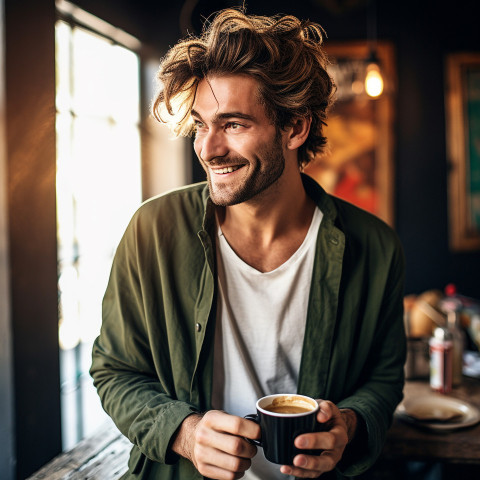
226, 169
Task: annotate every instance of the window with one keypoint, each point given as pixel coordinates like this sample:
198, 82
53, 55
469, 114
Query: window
98, 190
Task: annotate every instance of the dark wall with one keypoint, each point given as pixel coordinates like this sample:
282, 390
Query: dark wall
7, 454
30, 151
421, 180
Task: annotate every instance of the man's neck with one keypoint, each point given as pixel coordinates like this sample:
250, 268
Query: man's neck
267, 230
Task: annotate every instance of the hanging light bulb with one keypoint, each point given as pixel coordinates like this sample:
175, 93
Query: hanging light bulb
373, 80
373, 75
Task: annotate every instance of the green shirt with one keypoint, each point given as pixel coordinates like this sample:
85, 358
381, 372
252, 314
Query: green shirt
153, 361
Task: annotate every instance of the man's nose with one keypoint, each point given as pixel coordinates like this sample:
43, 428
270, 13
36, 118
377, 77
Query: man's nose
212, 145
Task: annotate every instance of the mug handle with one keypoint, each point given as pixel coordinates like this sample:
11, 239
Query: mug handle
254, 418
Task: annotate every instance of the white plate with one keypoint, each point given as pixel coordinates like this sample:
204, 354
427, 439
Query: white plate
438, 412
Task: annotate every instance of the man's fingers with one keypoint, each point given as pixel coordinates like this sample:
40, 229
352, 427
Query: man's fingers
324, 462
326, 411
212, 462
232, 424
331, 442
308, 466
334, 438
212, 471
215, 443
231, 444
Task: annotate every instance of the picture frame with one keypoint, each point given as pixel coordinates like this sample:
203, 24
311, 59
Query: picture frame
359, 131
462, 115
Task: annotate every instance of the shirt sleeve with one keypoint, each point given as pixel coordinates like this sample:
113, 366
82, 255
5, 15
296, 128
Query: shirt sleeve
375, 401
137, 393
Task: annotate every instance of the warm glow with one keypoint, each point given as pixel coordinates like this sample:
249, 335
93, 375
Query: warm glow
357, 87
373, 81
98, 170
98, 190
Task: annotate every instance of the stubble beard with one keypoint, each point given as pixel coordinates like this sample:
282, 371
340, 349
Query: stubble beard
257, 182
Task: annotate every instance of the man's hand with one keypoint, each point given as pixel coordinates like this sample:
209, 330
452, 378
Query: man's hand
215, 443
342, 425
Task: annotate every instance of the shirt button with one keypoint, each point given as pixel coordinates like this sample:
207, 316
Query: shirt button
334, 240
198, 327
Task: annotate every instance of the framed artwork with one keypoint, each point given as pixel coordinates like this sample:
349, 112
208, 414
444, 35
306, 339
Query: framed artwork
462, 108
358, 163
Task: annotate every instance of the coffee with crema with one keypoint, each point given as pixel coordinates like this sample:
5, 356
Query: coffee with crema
282, 417
289, 404
287, 409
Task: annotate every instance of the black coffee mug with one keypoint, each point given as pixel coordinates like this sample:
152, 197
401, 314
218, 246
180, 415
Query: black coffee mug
282, 417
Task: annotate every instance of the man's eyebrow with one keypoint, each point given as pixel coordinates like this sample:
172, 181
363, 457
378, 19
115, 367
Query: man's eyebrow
194, 113
225, 116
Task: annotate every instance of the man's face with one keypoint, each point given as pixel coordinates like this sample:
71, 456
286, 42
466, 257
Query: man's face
237, 145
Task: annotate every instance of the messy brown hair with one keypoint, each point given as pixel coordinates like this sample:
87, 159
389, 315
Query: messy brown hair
285, 55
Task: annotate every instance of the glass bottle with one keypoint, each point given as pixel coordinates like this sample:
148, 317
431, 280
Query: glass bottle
441, 360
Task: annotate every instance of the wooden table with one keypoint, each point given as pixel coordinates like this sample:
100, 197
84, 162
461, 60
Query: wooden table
104, 456
406, 441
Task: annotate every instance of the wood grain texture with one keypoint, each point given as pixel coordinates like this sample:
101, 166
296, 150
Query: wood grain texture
103, 456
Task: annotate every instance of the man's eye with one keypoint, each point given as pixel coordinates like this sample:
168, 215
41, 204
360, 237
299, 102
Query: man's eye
234, 125
198, 126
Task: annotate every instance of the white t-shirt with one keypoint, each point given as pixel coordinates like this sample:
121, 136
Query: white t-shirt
260, 328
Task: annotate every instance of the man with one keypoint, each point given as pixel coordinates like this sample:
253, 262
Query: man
257, 282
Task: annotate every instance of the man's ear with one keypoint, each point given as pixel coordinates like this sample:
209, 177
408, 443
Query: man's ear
298, 132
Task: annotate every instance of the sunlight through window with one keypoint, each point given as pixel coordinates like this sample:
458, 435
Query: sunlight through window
98, 190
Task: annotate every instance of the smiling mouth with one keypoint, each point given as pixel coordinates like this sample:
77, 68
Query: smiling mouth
224, 170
